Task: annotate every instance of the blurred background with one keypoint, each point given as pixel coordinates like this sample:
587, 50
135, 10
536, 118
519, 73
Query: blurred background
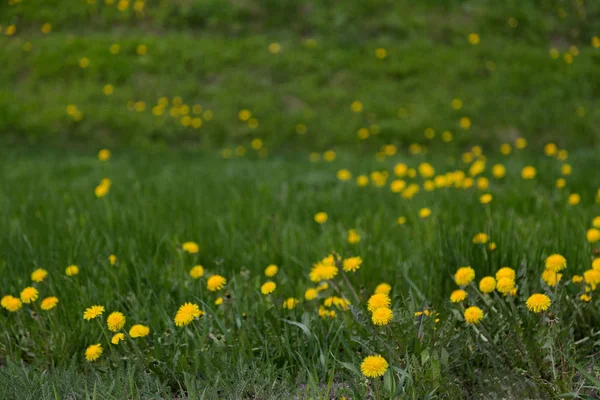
271, 75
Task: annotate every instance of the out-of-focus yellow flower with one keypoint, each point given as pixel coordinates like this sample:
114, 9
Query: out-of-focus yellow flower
197, 271
561, 183
353, 236
465, 123
520, 143
401, 220
274, 48
271, 270
456, 103
321, 217
39, 274
46, 28
473, 38
329, 155
551, 277
528, 172
84, 62
381, 53
310, 294
72, 270
93, 352
138, 331
112, 259
190, 247
356, 106
505, 149
215, 283
593, 235
424, 212
383, 288
550, 149
344, 175
574, 199
108, 89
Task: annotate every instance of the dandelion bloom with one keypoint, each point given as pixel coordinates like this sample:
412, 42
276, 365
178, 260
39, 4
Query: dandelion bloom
556, 262
115, 321
596, 264
551, 277
11, 303
424, 212
492, 246
353, 236
374, 366
268, 287
382, 316
401, 220
103, 154
352, 264
49, 303
592, 277
574, 199
480, 238
505, 272
29, 294
197, 271
464, 276
112, 259
344, 175
528, 172
310, 294
93, 312
577, 279
383, 288
187, 313
499, 171
473, 315
505, 285
538, 302
585, 297
216, 282
72, 270
378, 300
219, 301
290, 303
596, 222
593, 235
117, 337
38, 275
190, 247
485, 199
487, 284
271, 270
93, 352
138, 331
458, 295
321, 217
323, 272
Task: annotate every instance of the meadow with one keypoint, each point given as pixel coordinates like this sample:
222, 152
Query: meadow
225, 200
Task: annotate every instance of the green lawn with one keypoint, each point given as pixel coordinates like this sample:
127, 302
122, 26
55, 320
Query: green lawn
246, 214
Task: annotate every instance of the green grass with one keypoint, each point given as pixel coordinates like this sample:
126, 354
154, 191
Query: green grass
509, 84
246, 214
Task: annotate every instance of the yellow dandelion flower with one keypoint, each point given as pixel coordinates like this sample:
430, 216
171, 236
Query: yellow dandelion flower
505, 149
271, 270
320, 217
290, 303
356, 106
115, 321
29, 294
187, 313
556, 262
344, 175
93, 312
380, 53
215, 283
274, 48
112, 259
39, 274
310, 294
596, 264
538, 302
585, 297
93, 352
574, 199
197, 271
577, 279
382, 316
506, 272
138, 331
323, 272
424, 212
378, 300
473, 38
481, 238
117, 337
473, 315
487, 284
84, 62
219, 301
374, 366
190, 247
499, 171
458, 295
353, 236
593, 235
72, 270
551, 277
592, 278
49, 303
268, 287
492, 246
485, 199
11, 303
464, 276
505, 284
520, 143
383, 288
352, 264
528, 172
560, 183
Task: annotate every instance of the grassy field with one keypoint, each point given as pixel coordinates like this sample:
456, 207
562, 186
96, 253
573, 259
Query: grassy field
290, 199
247, 214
